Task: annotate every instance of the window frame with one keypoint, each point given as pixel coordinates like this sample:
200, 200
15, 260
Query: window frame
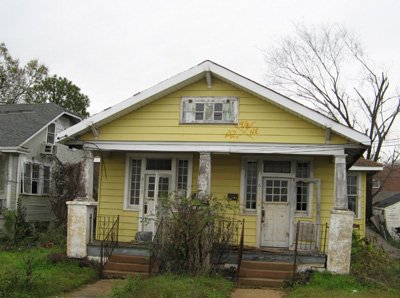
234, 100
40, 180
173, 173
51, 134
357, 215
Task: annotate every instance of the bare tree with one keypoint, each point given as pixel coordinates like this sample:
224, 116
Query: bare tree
326, 66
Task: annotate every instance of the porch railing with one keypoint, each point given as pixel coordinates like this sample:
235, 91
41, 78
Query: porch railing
310, 237
109, 242
103, 225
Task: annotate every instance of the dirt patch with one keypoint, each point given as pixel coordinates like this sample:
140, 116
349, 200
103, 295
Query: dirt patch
265, 293
99, 289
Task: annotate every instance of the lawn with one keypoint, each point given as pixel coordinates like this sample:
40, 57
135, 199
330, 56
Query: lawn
40, 272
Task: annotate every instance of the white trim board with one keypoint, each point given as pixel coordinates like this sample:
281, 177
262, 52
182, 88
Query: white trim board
247, 148
195, 74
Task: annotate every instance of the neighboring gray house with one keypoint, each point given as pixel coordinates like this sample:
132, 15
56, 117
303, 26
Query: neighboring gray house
27, 145
388, 211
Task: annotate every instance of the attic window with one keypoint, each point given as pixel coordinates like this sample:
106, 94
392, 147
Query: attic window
209, 110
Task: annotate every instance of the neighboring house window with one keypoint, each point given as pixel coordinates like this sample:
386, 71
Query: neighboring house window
353, 194
150, 176
51, 133
2, 174
209, 110
376, 182
36, 179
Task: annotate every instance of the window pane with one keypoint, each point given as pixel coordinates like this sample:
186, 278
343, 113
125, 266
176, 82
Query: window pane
163, 187
251, 189
135, 181
301, 196
51, 130
159, 164
46, 180
276, 190
302, 170
277, 166
182, 178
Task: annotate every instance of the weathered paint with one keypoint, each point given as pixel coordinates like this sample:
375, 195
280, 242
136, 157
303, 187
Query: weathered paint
259, 121
204, 180
340, 183
78, 227
340, 239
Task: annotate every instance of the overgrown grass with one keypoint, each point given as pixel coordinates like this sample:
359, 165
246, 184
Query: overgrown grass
325, 284
41, 272
170, 285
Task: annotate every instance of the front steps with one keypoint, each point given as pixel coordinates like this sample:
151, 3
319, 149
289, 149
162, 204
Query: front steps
264, 274
119, 266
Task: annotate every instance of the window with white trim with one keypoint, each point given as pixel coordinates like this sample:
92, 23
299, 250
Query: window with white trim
51, 133
209, 110
274, 189
302, 188
3, 167
353, 194
145, 167
35, 179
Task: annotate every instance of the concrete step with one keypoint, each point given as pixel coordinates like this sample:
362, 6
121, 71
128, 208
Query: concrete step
277, 266
271, 274
122, 274
260, 282
127, 267
129, 259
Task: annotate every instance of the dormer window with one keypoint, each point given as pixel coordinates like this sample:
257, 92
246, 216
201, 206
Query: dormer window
51, 133
209, 110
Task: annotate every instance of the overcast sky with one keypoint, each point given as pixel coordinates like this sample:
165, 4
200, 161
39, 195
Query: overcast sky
114, 49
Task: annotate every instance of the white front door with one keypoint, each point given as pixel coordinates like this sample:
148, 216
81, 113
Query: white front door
158, 186
275, 220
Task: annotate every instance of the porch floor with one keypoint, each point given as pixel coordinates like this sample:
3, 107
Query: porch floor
265, 254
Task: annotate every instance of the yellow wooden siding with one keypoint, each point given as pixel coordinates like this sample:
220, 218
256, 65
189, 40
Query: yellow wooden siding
111, 194
159, 121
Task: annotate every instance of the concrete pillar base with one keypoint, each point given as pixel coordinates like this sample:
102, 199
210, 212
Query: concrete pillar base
339, 241
78, 227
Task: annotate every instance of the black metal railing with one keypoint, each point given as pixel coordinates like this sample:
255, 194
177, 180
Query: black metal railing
310, 237
240, 254
103, 225
109, 242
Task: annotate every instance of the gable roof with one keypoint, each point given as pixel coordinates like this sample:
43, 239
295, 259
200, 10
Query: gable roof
389, 201
201, 71
19, 122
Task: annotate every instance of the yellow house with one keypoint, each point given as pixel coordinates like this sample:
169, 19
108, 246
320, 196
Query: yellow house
215, 131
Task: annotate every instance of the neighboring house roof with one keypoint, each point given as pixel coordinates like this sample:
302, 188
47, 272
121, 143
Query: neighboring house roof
363, 164
389, 201
209, 69
20, 122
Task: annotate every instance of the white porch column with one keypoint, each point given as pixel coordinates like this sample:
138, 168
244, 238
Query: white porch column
341, 223
79, 227
87, 175
340, 183
204, 178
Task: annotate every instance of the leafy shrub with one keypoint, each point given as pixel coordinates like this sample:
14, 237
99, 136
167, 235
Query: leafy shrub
372, 265
193, 235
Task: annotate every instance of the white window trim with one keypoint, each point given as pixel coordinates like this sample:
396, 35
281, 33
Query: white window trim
261, 175
358, 176
173, 173
40, 180
208, 99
